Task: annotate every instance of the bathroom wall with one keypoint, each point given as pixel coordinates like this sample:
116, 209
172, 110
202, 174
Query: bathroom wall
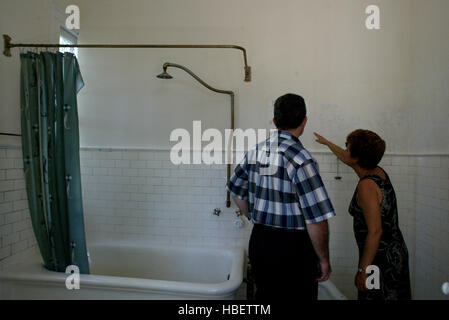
25, 21
431, 206
17, 241
428, 118
429, 98
140, 195
350, 76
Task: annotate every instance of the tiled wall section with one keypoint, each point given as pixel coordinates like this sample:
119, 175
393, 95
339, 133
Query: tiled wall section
131, 194
17, 240
431, 201
141, 195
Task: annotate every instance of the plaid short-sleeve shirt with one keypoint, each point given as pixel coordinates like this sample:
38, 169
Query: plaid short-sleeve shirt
285, 192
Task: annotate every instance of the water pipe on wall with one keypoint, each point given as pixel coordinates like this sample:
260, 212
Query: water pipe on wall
165, 75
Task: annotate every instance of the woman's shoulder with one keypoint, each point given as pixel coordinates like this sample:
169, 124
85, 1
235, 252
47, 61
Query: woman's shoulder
368, 192
367, 185
378, 176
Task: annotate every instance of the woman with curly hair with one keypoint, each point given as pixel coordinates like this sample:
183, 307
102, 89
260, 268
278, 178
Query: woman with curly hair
375, 213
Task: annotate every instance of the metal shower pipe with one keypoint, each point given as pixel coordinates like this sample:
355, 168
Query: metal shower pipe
7, 45
230, 93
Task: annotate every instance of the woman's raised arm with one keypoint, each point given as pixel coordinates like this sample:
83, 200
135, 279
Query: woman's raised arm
339, 152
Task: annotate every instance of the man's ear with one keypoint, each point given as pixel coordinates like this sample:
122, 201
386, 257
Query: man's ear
274, 122
304, 122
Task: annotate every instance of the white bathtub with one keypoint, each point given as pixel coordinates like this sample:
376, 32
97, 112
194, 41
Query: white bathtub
121, 270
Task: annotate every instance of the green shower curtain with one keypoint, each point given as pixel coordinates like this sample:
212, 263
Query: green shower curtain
50, 145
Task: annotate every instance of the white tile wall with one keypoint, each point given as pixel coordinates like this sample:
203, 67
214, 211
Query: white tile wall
141, 195
163, 203
17, 240
132, 194
431, 192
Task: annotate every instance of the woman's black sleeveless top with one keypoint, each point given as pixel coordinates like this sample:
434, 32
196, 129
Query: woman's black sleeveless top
392, 254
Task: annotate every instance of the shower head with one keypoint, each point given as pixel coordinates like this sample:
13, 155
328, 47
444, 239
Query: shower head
164, 75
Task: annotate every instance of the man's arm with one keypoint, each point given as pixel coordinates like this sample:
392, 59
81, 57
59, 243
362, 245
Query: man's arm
243, 205
238, 186
319, 234
317, 209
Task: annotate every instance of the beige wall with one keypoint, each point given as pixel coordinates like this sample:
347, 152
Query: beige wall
428, 118
350, 77
24, 21
429, 94
392, 80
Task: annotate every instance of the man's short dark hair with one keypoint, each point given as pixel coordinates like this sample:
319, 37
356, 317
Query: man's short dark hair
289, 111
367, 147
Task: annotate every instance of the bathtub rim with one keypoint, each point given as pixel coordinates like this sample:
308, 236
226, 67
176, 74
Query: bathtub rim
34, 271
332, 290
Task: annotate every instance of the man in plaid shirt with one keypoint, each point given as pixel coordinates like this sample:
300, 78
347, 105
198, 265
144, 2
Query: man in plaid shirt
278, 187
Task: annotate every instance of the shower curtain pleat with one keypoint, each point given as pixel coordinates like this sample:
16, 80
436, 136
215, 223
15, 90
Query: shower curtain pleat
50, 145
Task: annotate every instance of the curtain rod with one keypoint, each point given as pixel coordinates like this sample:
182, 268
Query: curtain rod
8, 45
